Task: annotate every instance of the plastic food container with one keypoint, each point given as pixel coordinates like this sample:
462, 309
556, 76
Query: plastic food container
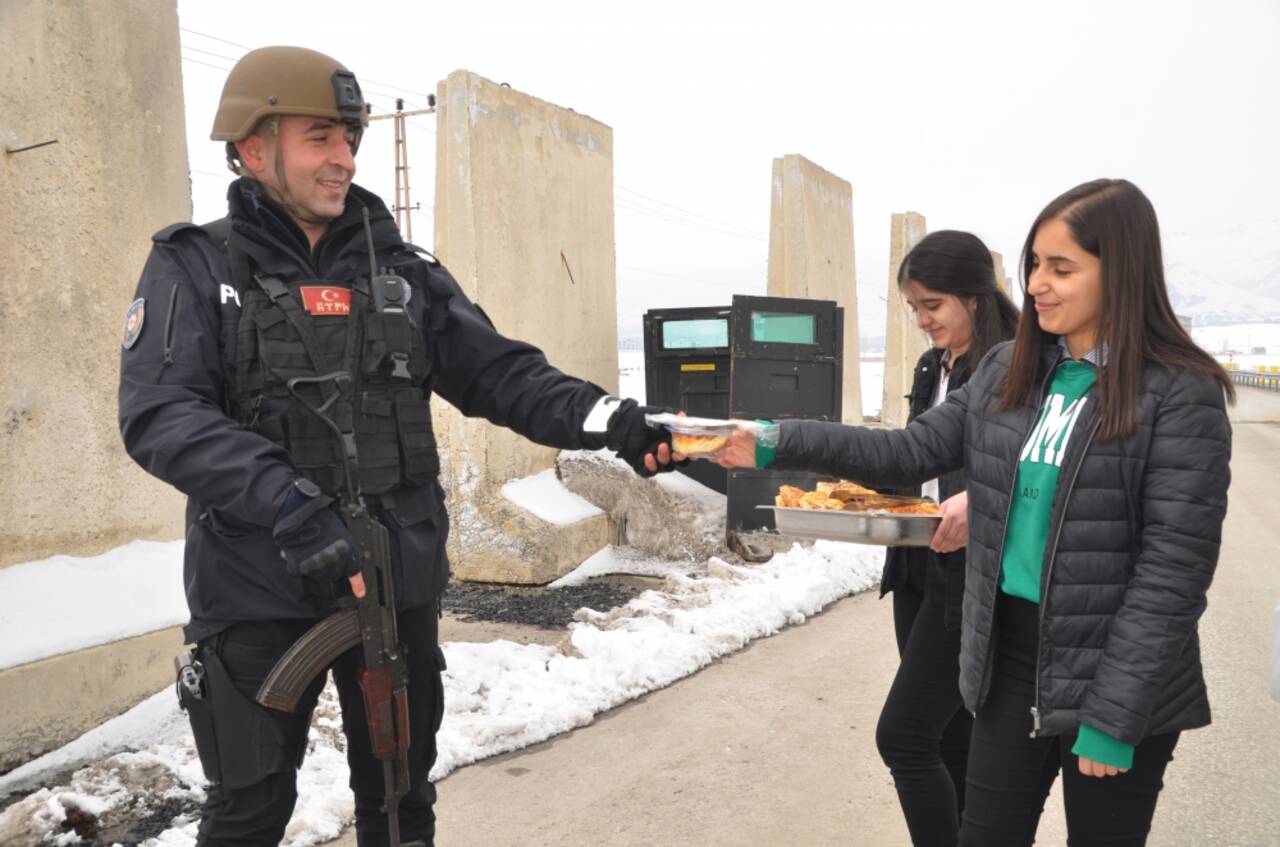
693, 426
704, 437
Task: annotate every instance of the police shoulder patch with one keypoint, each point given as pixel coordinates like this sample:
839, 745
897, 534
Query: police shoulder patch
133, 322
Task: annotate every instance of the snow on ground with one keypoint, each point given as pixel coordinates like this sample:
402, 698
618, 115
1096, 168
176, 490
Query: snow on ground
545, 496
154, 720
1236, 343
144, 577
631, 375
499, 696
622, 560
872, 385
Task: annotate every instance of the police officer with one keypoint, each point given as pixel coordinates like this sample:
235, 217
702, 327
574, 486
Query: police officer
225, 316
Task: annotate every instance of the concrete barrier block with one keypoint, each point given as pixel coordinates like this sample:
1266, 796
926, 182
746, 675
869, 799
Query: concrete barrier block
811, 253
1003, 281
103, 81
903, 341
524, 222
48, 703
519, 548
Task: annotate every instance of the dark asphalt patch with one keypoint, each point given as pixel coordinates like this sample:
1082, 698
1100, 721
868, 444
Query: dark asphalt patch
548, 608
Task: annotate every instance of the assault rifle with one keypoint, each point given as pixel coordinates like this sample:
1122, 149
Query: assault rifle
369, 621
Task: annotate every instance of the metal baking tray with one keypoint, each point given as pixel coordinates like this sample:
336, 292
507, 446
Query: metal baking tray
858, 527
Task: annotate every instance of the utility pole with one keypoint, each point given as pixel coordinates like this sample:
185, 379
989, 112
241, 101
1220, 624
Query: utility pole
401, 205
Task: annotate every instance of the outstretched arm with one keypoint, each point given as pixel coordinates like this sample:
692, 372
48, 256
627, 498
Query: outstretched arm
929, 446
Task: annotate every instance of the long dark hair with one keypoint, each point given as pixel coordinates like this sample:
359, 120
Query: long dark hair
1113, 220
952, 262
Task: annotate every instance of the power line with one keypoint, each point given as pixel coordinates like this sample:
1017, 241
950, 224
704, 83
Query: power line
687, 212
369, 92
206, 64
699, 222
630, 206
362, 79
215, 38
210, 53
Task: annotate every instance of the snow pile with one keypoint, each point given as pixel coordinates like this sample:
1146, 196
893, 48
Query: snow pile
667, 517
156, 793
545, 496
71, 591
624, 560
155, 720
499, 697
156, 789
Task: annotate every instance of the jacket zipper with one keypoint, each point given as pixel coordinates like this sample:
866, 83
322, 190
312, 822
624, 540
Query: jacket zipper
168, 325
1048, 569
989, 668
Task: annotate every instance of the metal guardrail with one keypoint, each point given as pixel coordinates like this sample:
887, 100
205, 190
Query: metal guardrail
1256, 379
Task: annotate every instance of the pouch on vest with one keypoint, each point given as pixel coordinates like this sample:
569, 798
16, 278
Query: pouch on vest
419, 457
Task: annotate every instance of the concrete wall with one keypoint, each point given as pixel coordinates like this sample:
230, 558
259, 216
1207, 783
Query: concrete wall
811, 253
904, 342
524, 221
104, 81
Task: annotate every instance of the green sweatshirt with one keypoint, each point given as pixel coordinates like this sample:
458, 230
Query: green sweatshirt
1038, 467
1032, 512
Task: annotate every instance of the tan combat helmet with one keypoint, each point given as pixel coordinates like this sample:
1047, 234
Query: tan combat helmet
287, 81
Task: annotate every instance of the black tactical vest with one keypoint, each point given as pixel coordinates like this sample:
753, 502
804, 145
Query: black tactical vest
311, 328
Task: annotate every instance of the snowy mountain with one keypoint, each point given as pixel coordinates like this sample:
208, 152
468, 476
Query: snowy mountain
1210, 301
1227, 276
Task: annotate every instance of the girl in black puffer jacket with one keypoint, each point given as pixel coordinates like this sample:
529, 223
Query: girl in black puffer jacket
1096, 450
948, 280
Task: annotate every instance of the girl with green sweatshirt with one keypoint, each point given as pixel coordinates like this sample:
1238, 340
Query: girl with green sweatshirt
1096, 451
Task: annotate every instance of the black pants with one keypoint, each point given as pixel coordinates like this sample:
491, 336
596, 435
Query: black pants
1011, 773
923, 733
256, 815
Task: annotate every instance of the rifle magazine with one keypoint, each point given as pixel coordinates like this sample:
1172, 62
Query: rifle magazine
310, 655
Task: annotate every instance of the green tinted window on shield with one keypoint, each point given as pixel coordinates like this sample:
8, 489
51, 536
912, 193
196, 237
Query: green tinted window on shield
783, 328
691, 334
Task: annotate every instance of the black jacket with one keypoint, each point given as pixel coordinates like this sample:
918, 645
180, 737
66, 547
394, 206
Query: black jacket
175, 381
1134, 539
944, 573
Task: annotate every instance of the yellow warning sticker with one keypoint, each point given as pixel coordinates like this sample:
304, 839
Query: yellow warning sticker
697, 366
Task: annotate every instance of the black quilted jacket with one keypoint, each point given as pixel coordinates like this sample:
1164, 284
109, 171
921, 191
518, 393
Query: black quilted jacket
1132, 547
944, 572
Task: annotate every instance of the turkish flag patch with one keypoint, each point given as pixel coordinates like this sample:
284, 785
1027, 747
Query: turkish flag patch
326, 300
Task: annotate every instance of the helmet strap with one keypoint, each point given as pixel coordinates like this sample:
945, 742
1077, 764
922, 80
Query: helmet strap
285, 198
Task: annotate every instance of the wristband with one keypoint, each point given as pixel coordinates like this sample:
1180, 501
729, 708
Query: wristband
766, 443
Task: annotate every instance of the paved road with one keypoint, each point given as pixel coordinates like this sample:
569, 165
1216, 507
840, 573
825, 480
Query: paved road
774, 745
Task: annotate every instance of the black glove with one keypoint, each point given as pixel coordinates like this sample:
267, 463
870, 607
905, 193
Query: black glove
314, 540
632, 439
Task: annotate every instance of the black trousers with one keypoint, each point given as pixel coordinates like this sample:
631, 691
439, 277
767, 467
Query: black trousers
923, 732
1011, 773
256, 815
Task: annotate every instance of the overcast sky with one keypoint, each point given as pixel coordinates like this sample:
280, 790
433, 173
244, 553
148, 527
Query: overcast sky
974, 114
